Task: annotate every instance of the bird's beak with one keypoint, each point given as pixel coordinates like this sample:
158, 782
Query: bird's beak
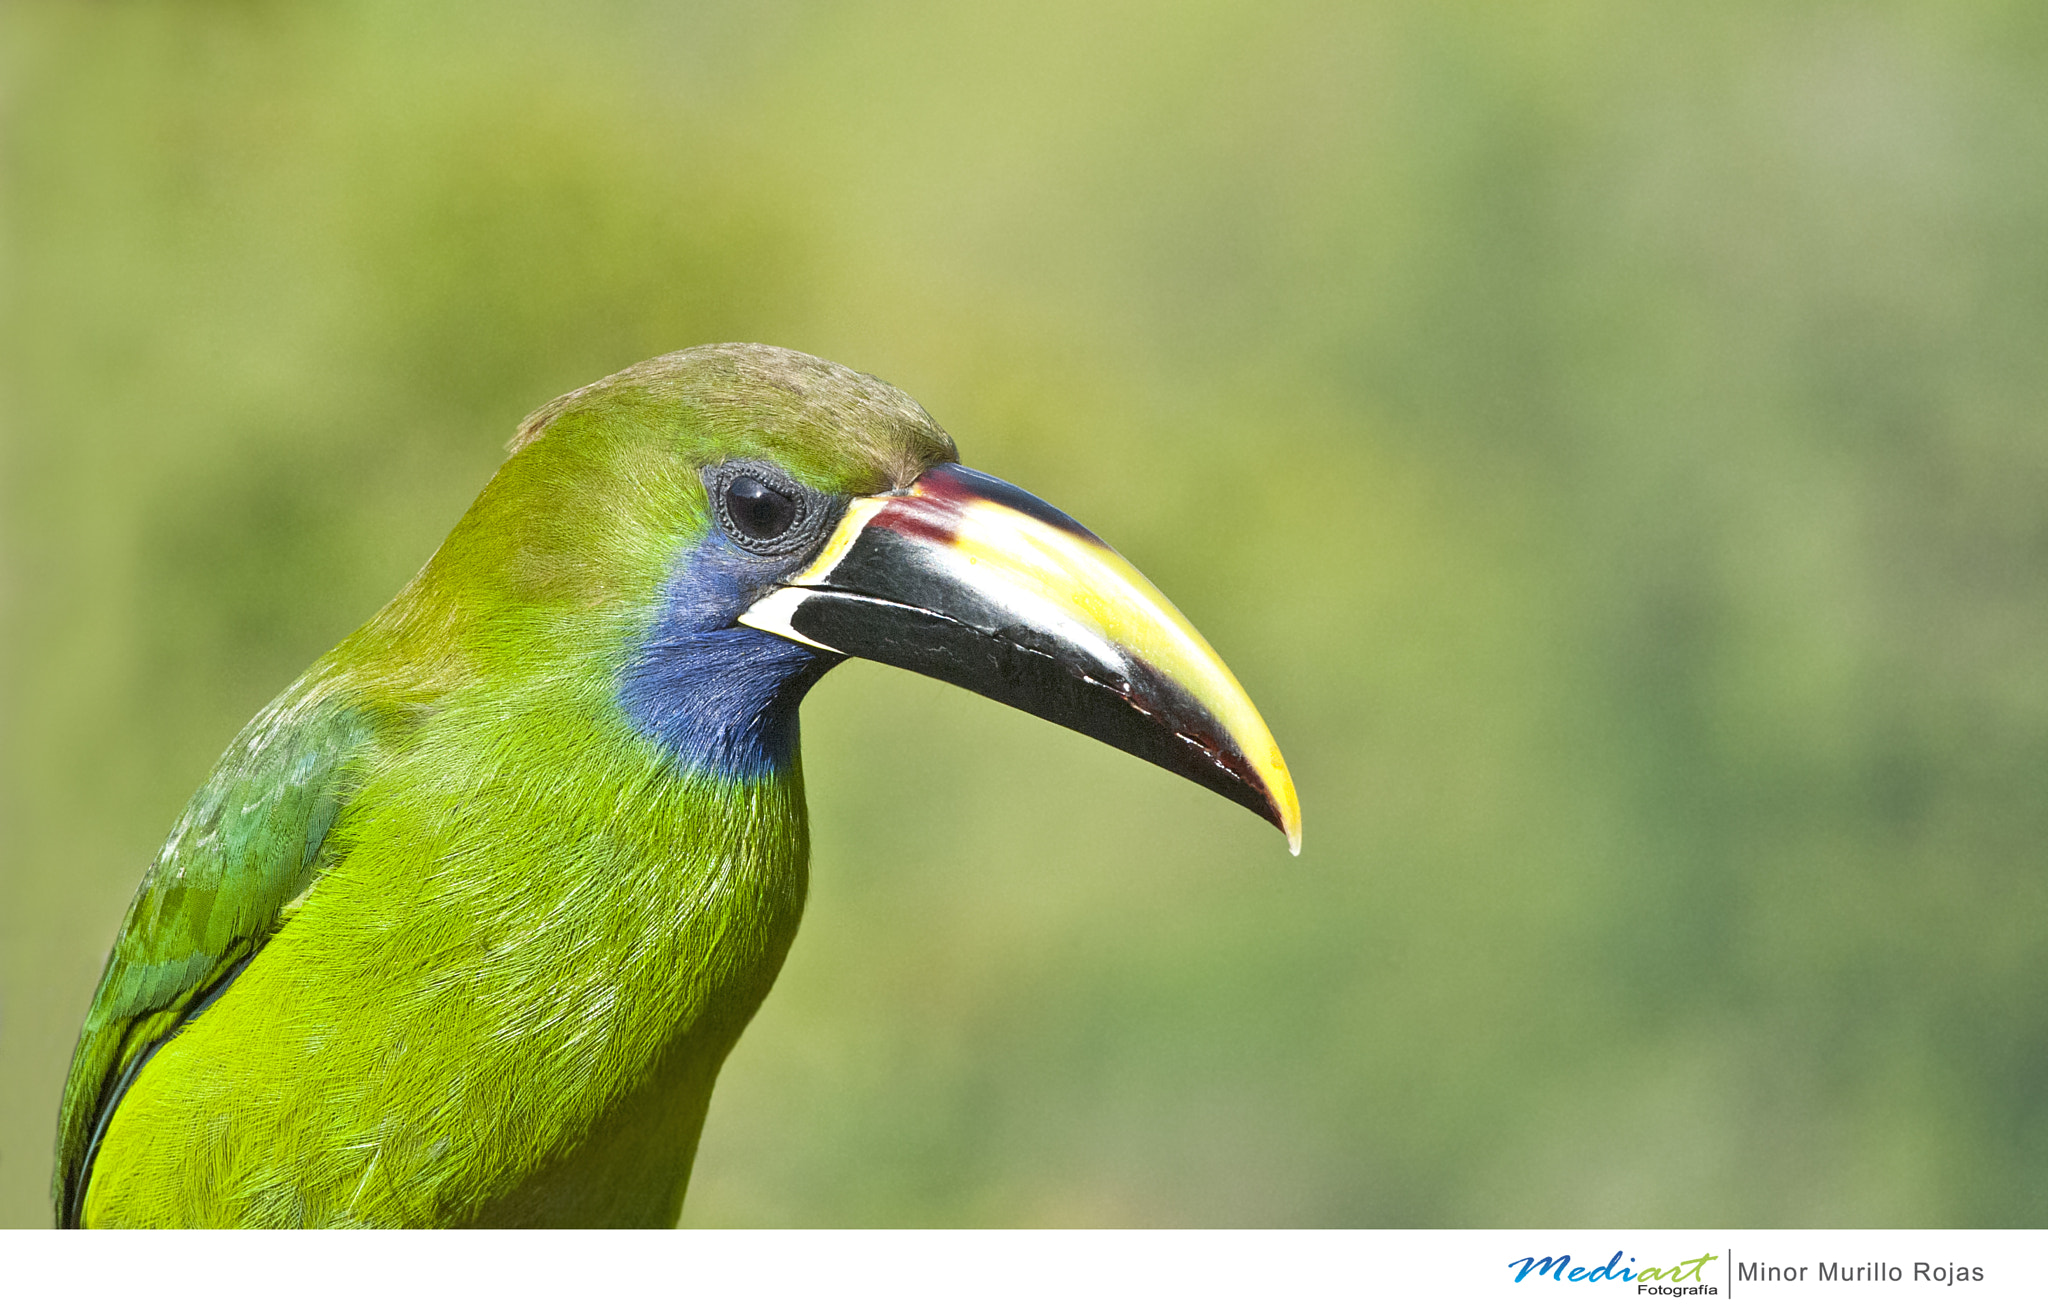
973, 581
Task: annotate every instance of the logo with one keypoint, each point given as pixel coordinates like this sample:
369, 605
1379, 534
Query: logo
1683, 1279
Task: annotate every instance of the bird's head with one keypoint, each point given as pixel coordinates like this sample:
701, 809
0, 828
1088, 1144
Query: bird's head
740, 518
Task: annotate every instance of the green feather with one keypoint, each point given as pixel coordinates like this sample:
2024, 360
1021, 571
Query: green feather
247, 844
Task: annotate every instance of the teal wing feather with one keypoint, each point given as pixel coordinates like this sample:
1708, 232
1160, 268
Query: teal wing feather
248, 845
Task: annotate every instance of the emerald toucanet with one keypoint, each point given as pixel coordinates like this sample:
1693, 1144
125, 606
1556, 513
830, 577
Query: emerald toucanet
463, 924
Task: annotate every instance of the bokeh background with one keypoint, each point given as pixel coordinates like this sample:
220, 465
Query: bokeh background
1606, 438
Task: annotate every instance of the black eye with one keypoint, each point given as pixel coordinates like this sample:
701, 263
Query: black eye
758, 511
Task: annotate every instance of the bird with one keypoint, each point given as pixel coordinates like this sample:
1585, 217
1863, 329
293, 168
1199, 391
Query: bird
463, 924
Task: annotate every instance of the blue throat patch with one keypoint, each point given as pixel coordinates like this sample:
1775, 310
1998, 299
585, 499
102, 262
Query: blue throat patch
719, 696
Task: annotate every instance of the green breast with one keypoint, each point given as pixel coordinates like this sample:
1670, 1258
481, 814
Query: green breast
505, 1004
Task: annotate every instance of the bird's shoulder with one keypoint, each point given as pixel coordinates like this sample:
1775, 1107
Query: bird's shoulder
246, 848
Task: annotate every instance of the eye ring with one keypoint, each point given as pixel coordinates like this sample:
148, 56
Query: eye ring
763, 510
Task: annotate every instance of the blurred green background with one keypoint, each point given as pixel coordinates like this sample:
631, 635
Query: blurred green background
1607, 439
